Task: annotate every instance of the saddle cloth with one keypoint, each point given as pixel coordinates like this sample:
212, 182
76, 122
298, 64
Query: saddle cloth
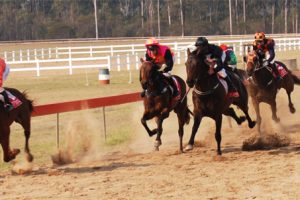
282, 71
15, 102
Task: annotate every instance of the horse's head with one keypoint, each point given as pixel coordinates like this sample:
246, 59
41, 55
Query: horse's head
195, 67
252, 62
148, 73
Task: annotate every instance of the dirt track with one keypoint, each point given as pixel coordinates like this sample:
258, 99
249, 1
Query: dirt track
199, 174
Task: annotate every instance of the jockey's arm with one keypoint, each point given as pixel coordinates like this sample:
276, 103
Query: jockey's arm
169, 61
271, 53
220, 57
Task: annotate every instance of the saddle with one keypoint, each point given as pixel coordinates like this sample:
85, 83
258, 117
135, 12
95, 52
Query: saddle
174, 87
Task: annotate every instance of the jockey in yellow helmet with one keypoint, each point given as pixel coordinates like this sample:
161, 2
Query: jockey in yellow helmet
265, 48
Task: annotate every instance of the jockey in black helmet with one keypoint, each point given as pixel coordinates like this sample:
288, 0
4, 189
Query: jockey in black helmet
215, 53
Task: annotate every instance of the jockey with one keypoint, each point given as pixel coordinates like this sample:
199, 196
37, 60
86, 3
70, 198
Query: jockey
230, 59
265, 47
162, 57
215, 53
4, 71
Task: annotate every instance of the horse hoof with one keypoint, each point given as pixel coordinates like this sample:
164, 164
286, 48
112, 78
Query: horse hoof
29, 157
276, 120
189, 147
241, 120
157, 143
156, 148
252, 124
292, 110
15, 152
153, 132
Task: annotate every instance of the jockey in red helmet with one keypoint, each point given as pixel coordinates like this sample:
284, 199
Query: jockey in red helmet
265, 48
4, 71
162, 57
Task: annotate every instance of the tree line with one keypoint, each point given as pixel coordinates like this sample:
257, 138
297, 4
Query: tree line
66, 19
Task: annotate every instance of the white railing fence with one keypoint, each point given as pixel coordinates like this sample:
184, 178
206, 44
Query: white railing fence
114, 57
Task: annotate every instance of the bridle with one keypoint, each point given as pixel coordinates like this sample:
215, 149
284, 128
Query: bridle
207, 92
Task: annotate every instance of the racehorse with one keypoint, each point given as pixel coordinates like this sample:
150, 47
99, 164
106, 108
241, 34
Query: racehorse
263, 86
20, 114
159, 104
210, 98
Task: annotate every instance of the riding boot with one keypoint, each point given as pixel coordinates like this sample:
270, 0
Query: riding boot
7, 105
232, 91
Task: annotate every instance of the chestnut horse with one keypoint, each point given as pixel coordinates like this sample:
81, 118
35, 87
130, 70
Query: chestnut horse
159, 104
21, 115
263, 86
210, 98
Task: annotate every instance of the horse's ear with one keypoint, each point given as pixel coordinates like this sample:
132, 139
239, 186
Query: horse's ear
188, 51
245, 59
142, 60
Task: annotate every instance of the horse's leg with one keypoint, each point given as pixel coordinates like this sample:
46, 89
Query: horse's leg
181, 122
257, 111
291, 105
147, 116
8, 154
197, 120
245, 108
230, 112
159, 122
218, 136
25, 122
274, 111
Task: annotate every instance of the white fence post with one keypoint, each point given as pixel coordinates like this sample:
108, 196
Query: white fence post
136, 61
91, 51
56, 52
37, 68
21, 55
42, 52
108, 62
13, 56
118, 62
70, 62
49, 52
28, 55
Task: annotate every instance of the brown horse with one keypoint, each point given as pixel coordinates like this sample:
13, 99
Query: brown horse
159, 104
21, 115
210, 98
263, 86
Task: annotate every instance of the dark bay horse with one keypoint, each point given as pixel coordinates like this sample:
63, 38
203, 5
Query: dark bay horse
263, 86
158, 105
21, 115
210, 98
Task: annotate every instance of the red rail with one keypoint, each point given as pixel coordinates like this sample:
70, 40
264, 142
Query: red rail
85, 104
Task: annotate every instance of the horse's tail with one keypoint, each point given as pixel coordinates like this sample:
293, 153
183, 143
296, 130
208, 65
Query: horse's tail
30, 102
187, 115
296, 79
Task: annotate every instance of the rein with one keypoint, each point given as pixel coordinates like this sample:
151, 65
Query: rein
203, 93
